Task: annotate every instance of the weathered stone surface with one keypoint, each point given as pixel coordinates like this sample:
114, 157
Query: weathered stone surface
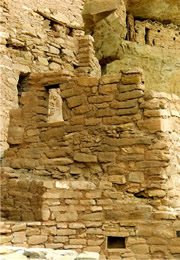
37, 239
82, 157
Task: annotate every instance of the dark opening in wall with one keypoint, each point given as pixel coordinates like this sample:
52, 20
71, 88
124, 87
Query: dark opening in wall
147, 35
116, 242
55, 113
177, 233
22, 86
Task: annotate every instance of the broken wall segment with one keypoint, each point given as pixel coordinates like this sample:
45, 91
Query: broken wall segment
45, 39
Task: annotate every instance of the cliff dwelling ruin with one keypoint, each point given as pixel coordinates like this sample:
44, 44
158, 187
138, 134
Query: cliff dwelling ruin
90, 127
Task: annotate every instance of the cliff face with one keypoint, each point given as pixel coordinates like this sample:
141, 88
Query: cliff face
165, 11
125, 38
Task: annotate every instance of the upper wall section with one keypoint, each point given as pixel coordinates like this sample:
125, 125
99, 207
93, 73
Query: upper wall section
123, 40
159, 10
40, 36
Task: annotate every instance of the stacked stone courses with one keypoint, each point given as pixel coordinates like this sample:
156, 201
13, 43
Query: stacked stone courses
108, 169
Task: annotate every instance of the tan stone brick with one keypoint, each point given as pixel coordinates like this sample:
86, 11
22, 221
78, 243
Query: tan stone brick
32, 231
19, 237
83, 185
83, 157
69, 216
129, 95
106, 156
174, 249
157, 155
19, 227
111, 78
140, 249
54, 245
105, 112
106, 89
74, 101
100, 99
104, 202
77, 241
94, 194
76, 225
136, 177
156, 113
87, 81
70, 92
65, 232
95, 242
124, 104
156, 241
37, 239
87, 202
92, 121
93, 216
134, 78
156, 193
119, 179
126, 88
60, 239
82, 109
129, 111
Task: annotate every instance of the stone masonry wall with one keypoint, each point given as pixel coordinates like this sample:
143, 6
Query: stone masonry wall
122, 41
110, 169
40, 36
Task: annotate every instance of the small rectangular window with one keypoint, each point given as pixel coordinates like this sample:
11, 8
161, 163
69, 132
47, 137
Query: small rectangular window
55, 113
116, 242
177, 233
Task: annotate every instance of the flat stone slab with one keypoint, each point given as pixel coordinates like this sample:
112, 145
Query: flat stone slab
22, 253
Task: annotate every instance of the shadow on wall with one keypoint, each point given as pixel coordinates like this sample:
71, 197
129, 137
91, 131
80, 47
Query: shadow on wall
21, 197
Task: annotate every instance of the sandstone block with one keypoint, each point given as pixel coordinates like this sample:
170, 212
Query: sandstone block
74, 101
77, 241
37, 239
128, 111
76, 225
106, 156
93, 216
124, 104
83, 157
126, 88
86, 81
118, 179
69, 216
136, 177
92, 121
19, 237
156, 113
129, 95
19, 227
83, 185
100, 99
66, 232
60, 239
140, 249
111, 78
134, 78
156, 241
105, 112
93, 194
106, 89
156, 193
81, 109
5, 239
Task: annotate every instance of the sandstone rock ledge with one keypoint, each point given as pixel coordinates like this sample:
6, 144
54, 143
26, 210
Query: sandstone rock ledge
21, 253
